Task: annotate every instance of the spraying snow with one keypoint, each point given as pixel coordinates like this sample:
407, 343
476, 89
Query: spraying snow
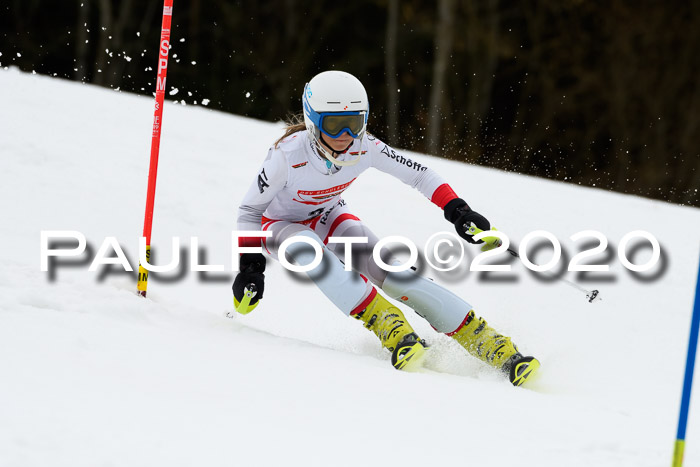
94, 375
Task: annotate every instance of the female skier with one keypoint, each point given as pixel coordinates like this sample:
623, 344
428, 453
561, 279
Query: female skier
297, 193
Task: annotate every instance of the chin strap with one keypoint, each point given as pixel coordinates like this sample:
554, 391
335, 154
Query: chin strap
330, 155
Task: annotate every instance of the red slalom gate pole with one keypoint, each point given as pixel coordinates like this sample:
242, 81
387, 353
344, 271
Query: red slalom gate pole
155, 140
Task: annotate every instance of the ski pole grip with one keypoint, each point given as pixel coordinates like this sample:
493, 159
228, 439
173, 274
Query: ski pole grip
249, 292
490, 242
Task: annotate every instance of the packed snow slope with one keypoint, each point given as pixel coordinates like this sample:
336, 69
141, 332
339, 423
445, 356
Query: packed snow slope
91, 374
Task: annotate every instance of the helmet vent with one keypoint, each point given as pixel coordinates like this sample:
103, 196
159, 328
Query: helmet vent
331, 102
355, 102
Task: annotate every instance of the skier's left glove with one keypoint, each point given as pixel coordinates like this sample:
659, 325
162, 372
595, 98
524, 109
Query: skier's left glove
252, 268
463, 217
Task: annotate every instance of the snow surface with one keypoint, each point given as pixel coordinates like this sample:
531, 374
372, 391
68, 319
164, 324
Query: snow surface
92, 375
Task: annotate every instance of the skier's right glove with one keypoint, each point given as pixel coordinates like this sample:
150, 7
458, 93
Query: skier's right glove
461, 215
252, 268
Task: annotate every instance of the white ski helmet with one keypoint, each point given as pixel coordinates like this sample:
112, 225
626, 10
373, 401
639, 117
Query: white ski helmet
335, 102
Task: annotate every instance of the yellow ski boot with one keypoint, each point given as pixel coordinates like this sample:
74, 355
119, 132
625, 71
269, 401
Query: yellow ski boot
394, 332
486, 344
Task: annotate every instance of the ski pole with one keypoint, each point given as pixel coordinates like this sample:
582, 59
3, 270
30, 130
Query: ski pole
244, 307
495, 242
591, 295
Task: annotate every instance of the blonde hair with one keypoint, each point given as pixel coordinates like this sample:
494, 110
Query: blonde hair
295, 123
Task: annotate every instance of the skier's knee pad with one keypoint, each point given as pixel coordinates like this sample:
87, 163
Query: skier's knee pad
346, 289
444, 310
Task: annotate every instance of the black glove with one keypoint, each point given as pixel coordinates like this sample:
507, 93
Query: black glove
252, 267
461, 215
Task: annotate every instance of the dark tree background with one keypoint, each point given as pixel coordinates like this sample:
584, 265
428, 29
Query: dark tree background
600, 93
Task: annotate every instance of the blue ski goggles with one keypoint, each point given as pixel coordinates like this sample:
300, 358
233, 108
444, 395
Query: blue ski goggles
334, 124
